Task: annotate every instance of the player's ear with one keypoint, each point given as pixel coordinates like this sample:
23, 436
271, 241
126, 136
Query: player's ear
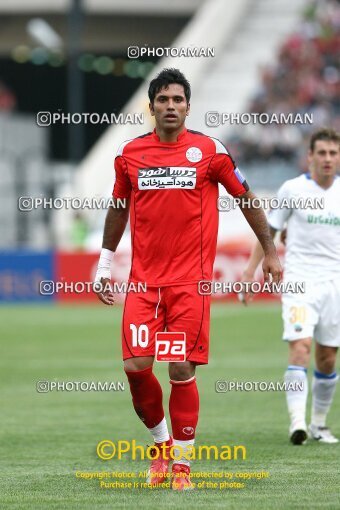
188, 109
152, 111
310, 157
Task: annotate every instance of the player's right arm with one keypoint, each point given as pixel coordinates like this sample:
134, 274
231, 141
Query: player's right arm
115, 224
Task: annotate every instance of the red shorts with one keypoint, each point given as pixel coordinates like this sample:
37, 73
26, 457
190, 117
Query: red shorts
174, 309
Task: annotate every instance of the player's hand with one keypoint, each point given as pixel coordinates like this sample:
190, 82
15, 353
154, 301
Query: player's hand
246, 296
271, 266
106, 296
283, 236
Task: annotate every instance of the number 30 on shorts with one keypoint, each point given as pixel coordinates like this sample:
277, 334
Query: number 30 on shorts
297, 314
140, 335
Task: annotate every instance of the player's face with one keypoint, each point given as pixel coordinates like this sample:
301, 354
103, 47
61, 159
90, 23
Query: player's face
170, 107
325, 158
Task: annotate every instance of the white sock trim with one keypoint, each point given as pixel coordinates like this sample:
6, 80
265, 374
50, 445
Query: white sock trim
183, 382
184, 448
160, 432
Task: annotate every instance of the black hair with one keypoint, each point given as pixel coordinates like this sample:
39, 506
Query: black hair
164, 79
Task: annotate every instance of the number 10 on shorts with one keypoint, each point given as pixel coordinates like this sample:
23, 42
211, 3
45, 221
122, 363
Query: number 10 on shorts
170, 346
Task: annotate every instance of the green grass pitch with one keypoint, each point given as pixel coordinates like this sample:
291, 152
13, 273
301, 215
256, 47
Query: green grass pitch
46, 438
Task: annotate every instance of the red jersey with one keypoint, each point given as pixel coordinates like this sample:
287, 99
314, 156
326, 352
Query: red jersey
174, 216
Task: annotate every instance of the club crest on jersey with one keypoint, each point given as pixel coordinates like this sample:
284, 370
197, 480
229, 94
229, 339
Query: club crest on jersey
167, 177
194, 154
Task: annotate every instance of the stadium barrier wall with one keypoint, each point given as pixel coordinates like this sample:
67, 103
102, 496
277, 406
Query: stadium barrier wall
22, 271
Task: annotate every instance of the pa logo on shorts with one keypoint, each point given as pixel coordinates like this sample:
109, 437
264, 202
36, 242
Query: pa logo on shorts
170, 346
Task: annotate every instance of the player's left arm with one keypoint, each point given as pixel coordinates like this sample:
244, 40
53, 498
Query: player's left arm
224, 170
257, 220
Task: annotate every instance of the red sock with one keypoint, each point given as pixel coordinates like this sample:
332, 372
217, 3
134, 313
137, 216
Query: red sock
184, 406
147, 396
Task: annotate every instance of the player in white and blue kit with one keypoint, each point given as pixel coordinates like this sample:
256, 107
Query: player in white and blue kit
313, 256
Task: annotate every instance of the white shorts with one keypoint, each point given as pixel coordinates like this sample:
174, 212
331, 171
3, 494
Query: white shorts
315, 313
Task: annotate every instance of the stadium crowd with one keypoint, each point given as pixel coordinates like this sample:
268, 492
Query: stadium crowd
304, 80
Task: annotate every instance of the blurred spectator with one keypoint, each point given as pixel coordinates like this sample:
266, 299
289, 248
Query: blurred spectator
7, 99
79, 232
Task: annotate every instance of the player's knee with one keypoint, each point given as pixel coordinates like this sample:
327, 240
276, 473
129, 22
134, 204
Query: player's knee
326, 364
181, 371
300, 352
140, 363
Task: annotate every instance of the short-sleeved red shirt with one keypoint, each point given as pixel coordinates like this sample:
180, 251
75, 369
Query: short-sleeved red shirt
173, 215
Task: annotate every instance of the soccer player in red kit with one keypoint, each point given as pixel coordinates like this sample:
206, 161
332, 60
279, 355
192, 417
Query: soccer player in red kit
169, 178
